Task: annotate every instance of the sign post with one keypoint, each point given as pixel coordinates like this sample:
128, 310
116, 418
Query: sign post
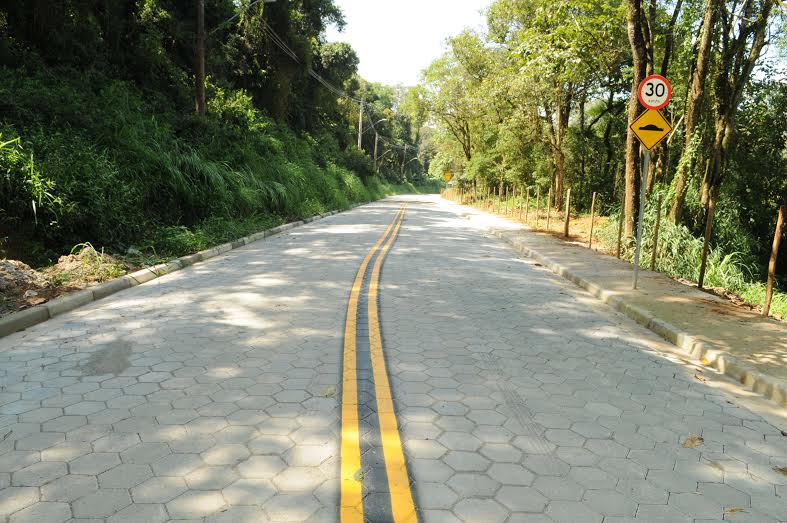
650, 128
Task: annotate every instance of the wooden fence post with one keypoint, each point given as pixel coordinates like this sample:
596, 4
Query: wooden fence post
527, 204
568, 213
521, 202
777, 238
549, 207
620, 228
538, 202
656, 235
708, 232
592, 219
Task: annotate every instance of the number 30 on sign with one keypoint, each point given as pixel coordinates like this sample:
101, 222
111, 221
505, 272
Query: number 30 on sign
655, 92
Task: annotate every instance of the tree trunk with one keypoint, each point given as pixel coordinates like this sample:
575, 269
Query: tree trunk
635, 19
699, 73
199, 76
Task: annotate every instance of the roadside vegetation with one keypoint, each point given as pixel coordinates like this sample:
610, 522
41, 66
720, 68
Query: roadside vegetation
542, 99
100, 143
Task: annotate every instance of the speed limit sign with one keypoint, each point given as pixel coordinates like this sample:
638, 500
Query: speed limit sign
655, 92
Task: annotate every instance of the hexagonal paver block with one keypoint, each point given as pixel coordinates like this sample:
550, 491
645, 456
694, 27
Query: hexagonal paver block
291, 507
38, 474
13, 499
145, 453
486, 510
101, 503
124, 476
521, 499
68, 488
176, 464
460, 441
435, 496
228, 454
299, 479
138, 513
572, 512
261, 467
94, 464
610, 503
309, 455
466, 461
49, 512
511, 474
469, 484
159, 490
195, 504
15, 460
249, 492
270, 444
211, 477
556, 488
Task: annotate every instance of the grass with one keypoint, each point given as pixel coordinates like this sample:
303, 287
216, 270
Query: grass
679, 255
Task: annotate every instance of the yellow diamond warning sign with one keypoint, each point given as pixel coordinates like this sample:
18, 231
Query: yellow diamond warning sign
448, 176
651, 128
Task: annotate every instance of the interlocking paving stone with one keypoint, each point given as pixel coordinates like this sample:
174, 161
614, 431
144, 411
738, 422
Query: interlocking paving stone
518, 397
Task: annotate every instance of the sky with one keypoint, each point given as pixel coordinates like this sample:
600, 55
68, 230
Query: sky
395, 40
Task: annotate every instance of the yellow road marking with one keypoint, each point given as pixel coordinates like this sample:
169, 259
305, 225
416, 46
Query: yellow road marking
351, 510
402, 504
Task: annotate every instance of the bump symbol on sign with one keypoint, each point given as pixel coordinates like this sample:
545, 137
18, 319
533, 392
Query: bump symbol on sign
651, 128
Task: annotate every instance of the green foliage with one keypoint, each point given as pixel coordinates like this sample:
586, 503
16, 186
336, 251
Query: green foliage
123, 172
679, 254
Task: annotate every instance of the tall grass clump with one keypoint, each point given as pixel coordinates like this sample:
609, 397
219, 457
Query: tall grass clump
89, 158
679, 256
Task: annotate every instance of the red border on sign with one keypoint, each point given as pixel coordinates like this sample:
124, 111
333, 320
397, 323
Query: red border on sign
642, 84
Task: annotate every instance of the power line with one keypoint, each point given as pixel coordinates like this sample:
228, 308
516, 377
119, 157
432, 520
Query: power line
282, 45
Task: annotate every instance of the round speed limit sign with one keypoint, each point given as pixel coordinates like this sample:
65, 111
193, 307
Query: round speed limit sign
655, 92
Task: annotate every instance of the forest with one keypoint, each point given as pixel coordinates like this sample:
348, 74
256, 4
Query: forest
541, 100
104, 139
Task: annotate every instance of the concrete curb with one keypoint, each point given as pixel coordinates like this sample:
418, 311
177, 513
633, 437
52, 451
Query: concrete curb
689, 345
26, 318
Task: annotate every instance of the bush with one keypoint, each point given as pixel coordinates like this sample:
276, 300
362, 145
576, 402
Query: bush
88, 158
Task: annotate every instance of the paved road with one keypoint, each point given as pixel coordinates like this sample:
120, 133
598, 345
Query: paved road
250, 388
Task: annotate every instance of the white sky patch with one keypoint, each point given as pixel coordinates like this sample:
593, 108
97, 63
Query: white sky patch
396, 40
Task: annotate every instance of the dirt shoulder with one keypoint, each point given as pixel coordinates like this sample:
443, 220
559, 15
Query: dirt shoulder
22, 287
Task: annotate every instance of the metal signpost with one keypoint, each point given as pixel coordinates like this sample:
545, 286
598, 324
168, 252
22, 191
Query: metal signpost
650, 128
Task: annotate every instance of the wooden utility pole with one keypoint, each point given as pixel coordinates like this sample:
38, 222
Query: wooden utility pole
360, 127
199, 77
592, 219
376, 138
777, 238
568, 213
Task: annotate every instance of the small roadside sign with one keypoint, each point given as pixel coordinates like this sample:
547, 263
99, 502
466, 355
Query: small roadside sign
651, 128
448, 176
654, 92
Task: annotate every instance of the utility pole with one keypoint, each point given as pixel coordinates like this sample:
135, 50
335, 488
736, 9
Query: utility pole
199, 77
376, 138
360, 125
404, 155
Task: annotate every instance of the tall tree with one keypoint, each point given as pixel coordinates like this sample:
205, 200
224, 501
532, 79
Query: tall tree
742, 37
635, 22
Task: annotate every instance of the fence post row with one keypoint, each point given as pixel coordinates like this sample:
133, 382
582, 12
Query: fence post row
777, 238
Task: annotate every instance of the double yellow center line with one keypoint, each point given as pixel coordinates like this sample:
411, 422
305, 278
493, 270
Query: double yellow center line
352, 475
